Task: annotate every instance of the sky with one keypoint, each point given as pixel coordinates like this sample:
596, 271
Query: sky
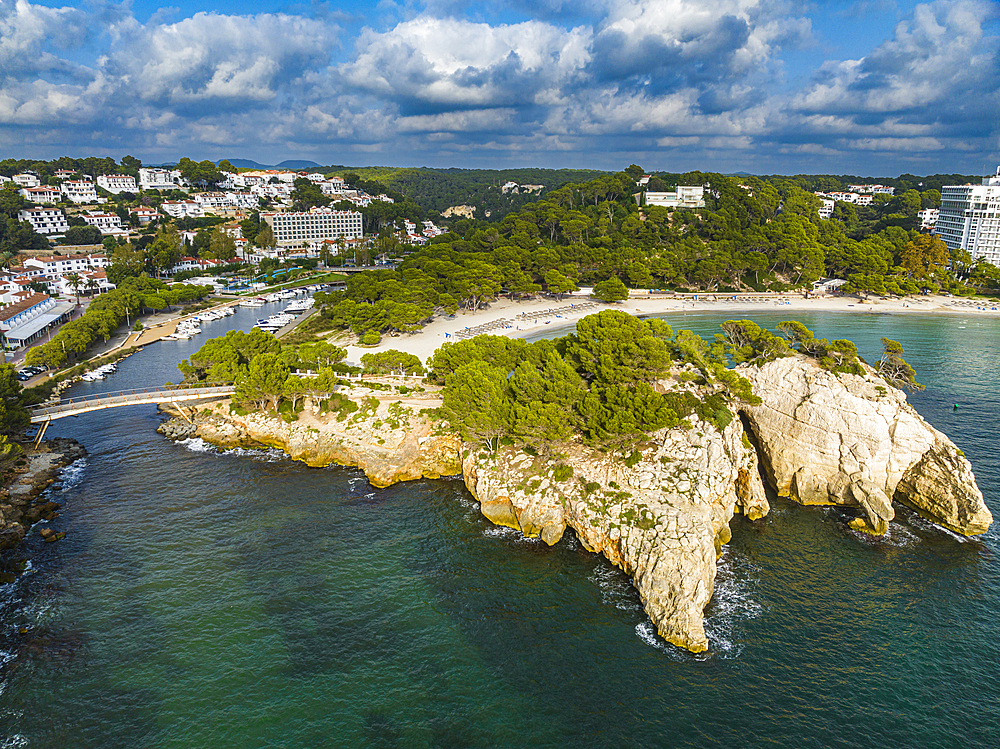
865, 87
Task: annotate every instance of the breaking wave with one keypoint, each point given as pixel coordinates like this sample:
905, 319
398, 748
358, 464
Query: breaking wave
264, 455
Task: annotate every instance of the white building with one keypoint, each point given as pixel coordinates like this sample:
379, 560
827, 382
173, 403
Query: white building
41, 194
117, 183
928, 218
144, 214
47, 221
293, 229
108, 223
59, 265
684, 196
245, 200
27, 180
276, 191
156, 179
827, 285
101, 284
182, 209
28, 319
79, 191
872, 189
826, 210
969, 218
212, 200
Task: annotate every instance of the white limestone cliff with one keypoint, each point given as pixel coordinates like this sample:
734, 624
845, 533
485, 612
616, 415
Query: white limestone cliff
855, 441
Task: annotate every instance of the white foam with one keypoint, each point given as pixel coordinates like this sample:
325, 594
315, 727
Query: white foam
72, 475
266, 455
499, 531
14, 742
616, 589
735, 600
646, 632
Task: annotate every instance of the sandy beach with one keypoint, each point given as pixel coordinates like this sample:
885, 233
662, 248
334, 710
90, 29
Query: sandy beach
523, 318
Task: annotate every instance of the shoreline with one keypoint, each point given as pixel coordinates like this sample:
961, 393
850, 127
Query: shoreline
548, 313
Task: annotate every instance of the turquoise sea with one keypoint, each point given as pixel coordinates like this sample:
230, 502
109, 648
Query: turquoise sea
239, 599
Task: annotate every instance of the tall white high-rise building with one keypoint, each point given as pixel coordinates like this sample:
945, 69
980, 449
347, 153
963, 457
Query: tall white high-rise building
970, 218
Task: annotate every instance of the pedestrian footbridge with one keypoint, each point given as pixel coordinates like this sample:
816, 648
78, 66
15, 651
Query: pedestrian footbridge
102, 401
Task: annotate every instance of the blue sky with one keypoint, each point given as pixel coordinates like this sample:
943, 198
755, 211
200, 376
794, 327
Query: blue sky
872, 87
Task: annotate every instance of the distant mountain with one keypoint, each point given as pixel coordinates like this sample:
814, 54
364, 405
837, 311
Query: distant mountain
297, 164
287, 164
244, 164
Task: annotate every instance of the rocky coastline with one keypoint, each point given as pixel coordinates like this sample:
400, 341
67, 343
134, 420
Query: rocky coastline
21, 503
662, 514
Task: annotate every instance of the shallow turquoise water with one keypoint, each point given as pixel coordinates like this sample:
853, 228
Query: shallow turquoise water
240, 599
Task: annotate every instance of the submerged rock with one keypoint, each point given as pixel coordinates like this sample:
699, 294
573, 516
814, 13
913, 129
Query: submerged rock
855, 441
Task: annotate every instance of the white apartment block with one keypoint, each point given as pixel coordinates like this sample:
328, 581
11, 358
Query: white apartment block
58, 265
318, 224
684, 196
243, 200
47, 221
117, 183
27, 180
64, 284
41, 194
79, 191
144, 214
969, 218
212, 200
182, 209
156, 179
928, 218
331, 187
826, 210
872, 189
279, 191
108, 223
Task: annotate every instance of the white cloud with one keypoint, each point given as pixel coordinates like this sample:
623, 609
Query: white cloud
213, 57
26, 33
937, 57
434, 62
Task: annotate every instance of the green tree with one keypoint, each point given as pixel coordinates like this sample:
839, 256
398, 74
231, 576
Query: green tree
746, 342
264, 381
221, 245
478, 404
558, 284
127, 261
265, 237
615, 347
75, 281
894, 369
13, 416
80, 235
391, 362
610, 290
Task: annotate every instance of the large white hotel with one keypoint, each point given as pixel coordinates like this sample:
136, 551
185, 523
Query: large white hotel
295, 229
970, 218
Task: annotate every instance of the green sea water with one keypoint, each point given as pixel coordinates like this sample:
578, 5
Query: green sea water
239, 599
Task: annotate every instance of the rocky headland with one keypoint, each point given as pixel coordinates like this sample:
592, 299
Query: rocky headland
662, 514
21, 503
